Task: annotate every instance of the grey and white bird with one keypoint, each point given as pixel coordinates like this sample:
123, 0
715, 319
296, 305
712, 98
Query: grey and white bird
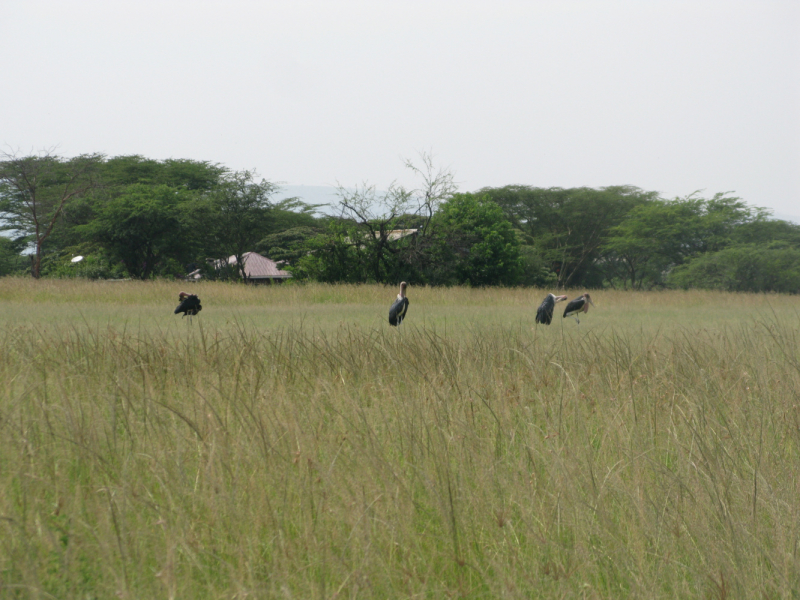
189, 304
399, 308
577, 306
544, 314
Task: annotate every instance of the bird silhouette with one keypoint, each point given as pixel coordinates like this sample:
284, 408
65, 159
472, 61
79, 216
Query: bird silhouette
399, 308
544, 314
189, 304
579, 305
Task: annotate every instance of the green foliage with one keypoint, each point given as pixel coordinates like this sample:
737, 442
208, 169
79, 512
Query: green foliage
121, 171
333, 256
535, 270
144, 218
657, 236
288, 245
112, 178
147, 229
568, 226
767, 231
367, 220
240, 213
10, 259
35, 189
476, 242
468, 241
746, 268
96, 265
292, 213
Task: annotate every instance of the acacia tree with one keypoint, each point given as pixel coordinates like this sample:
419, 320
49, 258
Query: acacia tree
655, 237
115, 177
373, 216
568, 226
241, 210
437, 187
147, 229
34, 189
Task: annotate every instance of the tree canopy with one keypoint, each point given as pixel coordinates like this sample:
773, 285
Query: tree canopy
147, 229
133, 216
34, 190
567, 227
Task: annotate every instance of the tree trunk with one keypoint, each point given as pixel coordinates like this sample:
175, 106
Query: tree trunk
36, 271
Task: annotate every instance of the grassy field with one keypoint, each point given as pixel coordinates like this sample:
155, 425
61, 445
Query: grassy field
289, 444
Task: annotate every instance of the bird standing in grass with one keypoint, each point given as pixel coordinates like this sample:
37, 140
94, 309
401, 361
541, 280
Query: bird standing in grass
579, 305
544, 314
189, 304
398, 310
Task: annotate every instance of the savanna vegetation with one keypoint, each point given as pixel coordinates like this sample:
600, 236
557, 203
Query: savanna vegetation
134, 217
289, 444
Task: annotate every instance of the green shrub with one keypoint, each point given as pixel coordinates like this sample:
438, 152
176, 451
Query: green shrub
745, 268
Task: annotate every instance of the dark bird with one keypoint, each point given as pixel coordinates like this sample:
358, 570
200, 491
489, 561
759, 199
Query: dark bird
544, 314
189, 304
398, 310
579, 305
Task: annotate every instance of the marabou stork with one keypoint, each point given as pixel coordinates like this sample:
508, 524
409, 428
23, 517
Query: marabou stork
398, 310
579, 305
189, 304
544, 314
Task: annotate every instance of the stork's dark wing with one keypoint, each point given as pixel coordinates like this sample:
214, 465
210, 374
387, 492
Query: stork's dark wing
544, 314
398, 311
574, 306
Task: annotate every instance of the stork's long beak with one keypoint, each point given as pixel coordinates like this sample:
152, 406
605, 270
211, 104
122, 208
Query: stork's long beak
590, 301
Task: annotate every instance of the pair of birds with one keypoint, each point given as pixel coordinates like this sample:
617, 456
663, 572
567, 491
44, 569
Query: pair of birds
544, 314
189, 304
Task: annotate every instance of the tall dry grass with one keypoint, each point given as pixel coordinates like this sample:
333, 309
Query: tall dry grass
635, 456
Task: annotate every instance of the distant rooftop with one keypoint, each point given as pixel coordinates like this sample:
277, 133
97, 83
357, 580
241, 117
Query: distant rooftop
396, 234
257, 266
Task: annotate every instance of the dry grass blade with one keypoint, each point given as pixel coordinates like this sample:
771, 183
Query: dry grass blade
264, 454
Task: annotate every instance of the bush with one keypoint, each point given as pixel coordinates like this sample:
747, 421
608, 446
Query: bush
745, 268
93, 266
535, 271
11, 261
477, 242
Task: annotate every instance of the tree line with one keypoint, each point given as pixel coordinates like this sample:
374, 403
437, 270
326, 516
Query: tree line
134, 217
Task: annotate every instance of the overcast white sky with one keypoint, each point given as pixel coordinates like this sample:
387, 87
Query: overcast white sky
667, 95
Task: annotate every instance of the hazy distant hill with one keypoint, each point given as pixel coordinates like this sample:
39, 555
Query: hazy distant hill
783, 217
310, 194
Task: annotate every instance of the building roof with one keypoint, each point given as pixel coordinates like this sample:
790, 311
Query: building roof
396, 234
257, 266
391, 236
